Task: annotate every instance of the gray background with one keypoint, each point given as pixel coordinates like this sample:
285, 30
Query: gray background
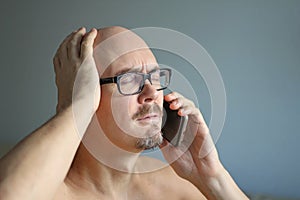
255, 44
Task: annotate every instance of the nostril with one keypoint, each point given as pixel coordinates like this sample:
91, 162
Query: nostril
147, 100
148, 94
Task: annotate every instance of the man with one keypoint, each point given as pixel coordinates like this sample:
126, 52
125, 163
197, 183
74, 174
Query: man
91, 148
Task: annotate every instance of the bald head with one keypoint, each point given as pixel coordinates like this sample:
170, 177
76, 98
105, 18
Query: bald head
107, 32
117, 47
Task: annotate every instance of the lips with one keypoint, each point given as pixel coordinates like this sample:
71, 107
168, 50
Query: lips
149, 117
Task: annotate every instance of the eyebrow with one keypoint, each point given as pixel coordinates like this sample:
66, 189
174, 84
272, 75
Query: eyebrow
131, 69
137, 69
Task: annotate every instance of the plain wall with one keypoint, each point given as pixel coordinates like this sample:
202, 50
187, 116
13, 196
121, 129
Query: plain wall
255, 44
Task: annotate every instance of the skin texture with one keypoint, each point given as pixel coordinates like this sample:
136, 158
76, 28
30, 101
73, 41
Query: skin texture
61, 159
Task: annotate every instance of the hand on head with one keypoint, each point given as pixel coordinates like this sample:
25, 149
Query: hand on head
76, 73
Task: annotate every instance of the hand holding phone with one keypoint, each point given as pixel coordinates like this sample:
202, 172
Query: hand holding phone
173, 125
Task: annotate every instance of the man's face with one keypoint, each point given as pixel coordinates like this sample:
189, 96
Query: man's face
131, 122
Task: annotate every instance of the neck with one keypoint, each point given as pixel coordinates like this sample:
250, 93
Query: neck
100, 165
89, 174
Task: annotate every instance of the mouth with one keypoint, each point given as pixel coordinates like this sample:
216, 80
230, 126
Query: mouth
151, 117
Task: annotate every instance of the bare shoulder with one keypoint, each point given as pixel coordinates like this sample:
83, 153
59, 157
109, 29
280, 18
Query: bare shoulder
167, 182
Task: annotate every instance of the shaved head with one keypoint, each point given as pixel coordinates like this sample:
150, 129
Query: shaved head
105, 33
117, 46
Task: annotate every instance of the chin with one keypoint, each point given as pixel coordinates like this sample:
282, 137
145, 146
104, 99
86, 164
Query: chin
149, 142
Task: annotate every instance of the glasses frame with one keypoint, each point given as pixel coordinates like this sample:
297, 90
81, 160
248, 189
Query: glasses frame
116, 79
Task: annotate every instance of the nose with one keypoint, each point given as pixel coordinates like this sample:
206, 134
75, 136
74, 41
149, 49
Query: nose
148, 94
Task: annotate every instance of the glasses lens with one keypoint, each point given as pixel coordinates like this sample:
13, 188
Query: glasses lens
160, 78
130, 83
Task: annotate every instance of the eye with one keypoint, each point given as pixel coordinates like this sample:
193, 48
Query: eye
155, 76
127, 78
131, 78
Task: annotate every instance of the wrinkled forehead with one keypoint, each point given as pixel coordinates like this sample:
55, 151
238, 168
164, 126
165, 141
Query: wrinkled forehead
120, 51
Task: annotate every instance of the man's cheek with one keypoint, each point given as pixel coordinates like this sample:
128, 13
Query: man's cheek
122, 111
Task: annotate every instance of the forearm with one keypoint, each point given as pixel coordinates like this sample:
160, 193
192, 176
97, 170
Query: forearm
221, 187
36, 167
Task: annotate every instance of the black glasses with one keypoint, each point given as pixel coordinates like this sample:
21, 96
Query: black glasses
131, 83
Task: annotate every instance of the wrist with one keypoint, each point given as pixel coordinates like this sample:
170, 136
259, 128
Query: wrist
79, 113
215, 183
86, 101
221, 186
211, 181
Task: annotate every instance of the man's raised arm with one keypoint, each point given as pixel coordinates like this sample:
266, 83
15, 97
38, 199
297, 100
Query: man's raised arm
37, 166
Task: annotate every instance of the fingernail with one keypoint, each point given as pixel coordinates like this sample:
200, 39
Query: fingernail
82, 28
176, 103
93, 29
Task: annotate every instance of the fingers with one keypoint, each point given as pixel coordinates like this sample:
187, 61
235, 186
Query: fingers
184, 107
196, 137
180, 103
63, 52
73, 44
87, 43
62, 49
76, 45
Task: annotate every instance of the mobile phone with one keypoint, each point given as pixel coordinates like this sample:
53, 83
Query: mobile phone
173, 125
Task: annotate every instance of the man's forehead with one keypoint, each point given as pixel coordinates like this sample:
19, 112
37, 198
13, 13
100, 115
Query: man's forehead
121, 69
118, 50
145, 68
